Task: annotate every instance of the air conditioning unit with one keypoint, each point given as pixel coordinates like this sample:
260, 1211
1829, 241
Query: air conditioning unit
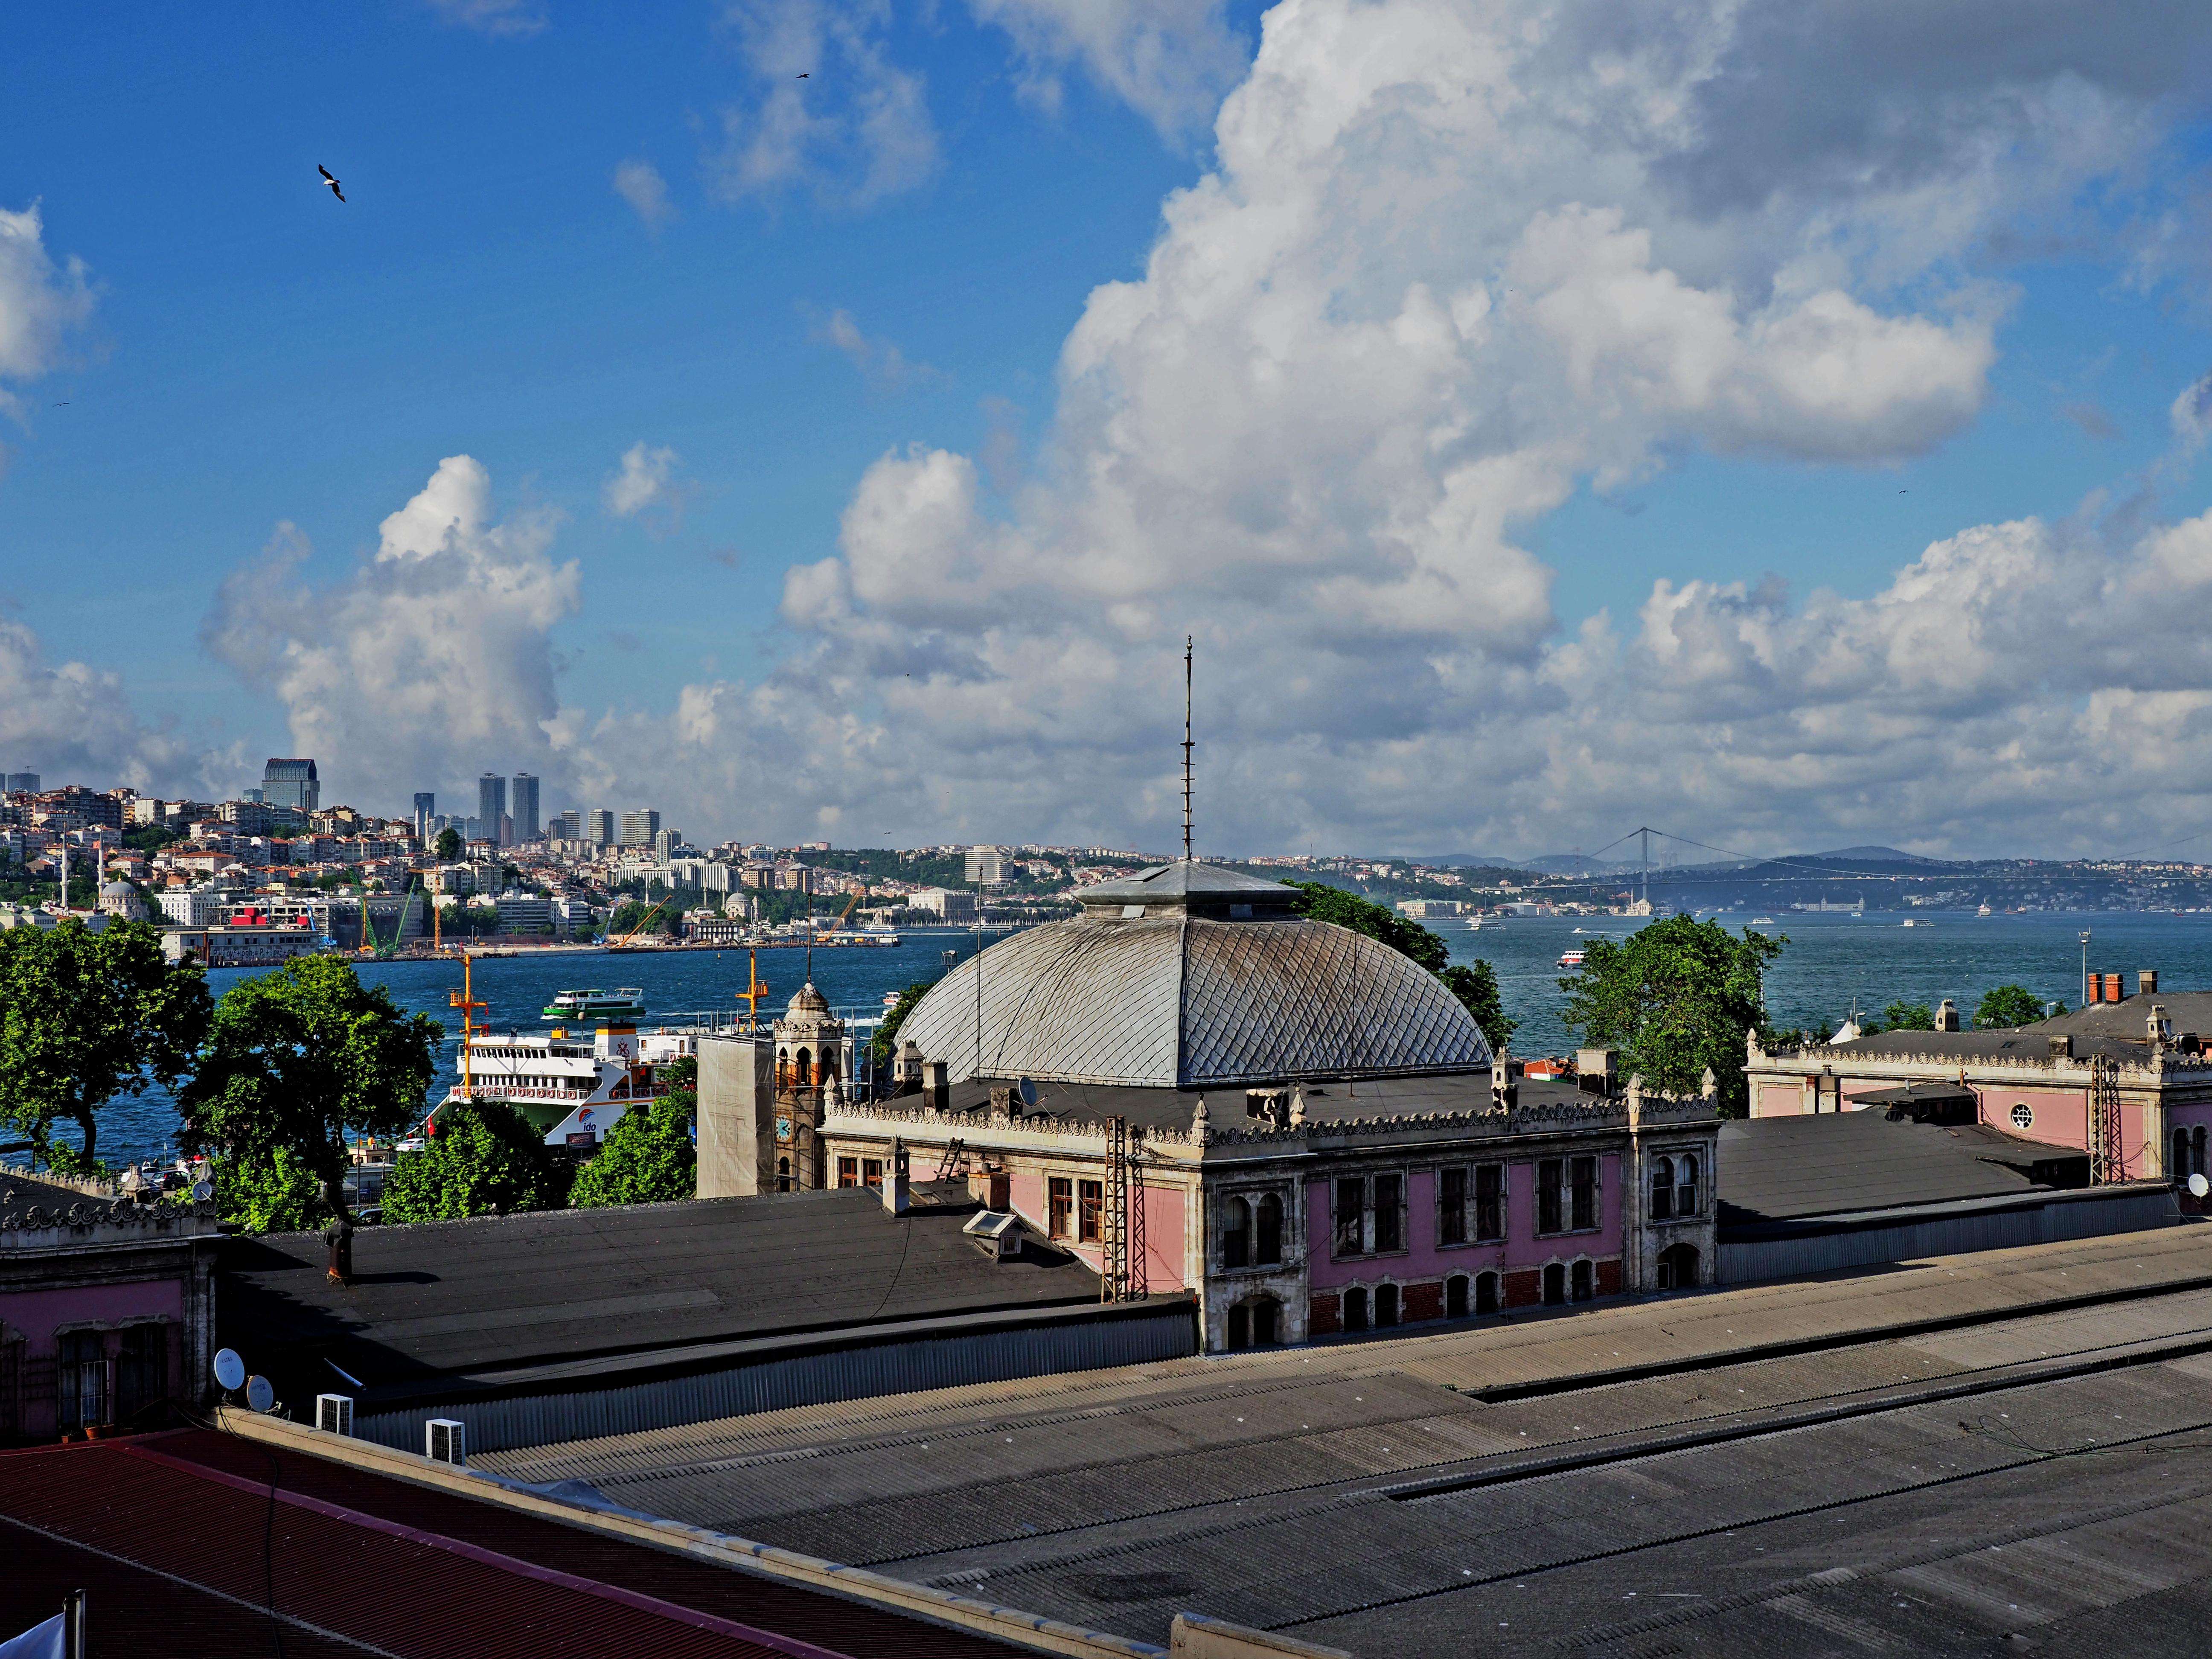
334, 1413
446, 1440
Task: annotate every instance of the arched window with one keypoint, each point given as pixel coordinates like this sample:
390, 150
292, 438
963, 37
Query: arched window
1267, 1314
1663, 1189
1555, 1284
1355, 1310
1678, 1266
2197, 1165
1685, 1184
783, 1175
800, 1062
1386, 1304
1240, 1327
1268, 1241
2179, 1168
1486, 1294
1581, 1281
1235, 1233
1455, 1297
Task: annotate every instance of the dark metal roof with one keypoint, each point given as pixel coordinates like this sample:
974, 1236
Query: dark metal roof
1327, 1100
2186, 1010
1778, 1168
353, 1562
2029, 1042
633, 1285
1188, 882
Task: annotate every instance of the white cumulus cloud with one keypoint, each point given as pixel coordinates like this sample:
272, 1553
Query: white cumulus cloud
432, 661
1169, 60
639, 184
40, 302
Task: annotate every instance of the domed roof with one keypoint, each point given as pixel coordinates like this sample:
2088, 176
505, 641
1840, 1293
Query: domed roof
1182, 1000
808, 1000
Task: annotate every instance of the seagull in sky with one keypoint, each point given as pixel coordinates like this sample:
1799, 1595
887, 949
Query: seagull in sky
329, 180
803, 74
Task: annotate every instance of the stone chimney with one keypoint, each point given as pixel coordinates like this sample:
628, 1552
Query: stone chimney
2113, 993
905, 1069
1504, 1083
936, 1085
898, 1196
1003, 1108
2157, 1028
2062, 1048
1596, 1069
2147, 983
1946, 1016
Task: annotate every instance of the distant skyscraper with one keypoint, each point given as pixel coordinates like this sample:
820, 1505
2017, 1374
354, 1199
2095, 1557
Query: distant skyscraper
639, 828
291, 783
571, 824
664, 843
426, 808
524, 807
491, 801
599, 827
23, 783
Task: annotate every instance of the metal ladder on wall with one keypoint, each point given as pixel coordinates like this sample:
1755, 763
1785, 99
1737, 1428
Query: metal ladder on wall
954, 1163
1121, 1275
2107, 1157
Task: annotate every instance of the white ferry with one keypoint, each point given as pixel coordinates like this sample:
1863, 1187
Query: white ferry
584, 1008
1572, 957
572, 1089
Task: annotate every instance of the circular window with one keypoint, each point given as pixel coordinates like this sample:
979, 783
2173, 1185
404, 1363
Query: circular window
2023, 1116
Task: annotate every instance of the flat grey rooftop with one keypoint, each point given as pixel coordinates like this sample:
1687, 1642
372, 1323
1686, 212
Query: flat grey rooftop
1905, 1459
1789, 1168
1330, 1100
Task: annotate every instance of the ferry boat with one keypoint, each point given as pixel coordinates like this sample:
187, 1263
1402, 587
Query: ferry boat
1762, 922
1572, 957
587, 1007
1985, 911
572, 1089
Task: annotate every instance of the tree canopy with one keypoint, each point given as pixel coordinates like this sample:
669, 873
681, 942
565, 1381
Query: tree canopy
85, 1017
485, 1159
2007, 1008
299, 1058
649, 1156
1908, 1016
447, 845
1675, 998
1473, 983
884, 1047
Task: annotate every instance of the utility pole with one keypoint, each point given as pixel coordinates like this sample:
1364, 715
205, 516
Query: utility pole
1186, 747
2085, 968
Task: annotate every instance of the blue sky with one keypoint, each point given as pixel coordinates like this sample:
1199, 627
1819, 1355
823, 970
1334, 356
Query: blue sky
871, 346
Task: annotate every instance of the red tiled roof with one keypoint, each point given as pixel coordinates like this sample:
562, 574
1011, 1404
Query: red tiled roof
361, 1562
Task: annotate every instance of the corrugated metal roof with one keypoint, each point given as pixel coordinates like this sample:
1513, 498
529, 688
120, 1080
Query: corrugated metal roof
1185, 1002
417, 1571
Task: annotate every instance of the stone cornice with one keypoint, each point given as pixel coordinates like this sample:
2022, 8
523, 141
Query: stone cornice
1795, 1064
32, 1225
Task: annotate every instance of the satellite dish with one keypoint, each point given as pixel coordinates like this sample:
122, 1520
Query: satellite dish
2199, 1186
204, 1191
230, 1370
1029, 1093
259, 1394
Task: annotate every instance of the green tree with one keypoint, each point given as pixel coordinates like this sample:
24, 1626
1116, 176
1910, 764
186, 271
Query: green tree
84, 1017
276, 1194
1473, 983
2008, 1007
447, 845
485, 1159
1675, 998
649, 1156
885, 1048
297, 1060
1908, 1016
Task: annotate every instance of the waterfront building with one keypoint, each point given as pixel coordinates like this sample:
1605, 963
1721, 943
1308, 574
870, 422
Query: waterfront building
2126, 1079
1189, 1087
955, 907
290, 782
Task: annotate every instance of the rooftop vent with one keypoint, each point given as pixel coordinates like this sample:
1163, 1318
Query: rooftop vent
999, 1231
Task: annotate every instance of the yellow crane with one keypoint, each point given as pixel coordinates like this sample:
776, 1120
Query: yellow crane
617, 944
756, 988
465, 1000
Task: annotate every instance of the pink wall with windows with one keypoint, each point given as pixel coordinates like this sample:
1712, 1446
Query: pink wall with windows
1425, 1259
35, 1313
2061, 1115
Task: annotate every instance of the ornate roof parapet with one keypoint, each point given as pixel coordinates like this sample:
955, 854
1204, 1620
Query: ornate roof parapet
32, 1216
2149, 1068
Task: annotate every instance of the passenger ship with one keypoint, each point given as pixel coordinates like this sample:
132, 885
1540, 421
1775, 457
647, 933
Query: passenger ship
572, 1089
583, 1007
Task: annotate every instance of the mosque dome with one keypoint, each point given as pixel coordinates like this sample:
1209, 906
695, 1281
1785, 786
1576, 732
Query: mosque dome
808, 1000
1189, 975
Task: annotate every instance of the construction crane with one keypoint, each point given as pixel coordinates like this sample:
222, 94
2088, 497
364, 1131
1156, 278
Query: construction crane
383, 949
617, 944
845, 915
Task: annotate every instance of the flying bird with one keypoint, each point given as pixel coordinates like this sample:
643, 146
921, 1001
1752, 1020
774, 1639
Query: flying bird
804, 73
331, 182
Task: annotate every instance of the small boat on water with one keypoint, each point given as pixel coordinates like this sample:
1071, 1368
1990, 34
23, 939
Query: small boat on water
1985, 911
585, 1007
1762, 922
1571, 956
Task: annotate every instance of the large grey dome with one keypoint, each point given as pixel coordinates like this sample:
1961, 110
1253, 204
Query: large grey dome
1185, 1001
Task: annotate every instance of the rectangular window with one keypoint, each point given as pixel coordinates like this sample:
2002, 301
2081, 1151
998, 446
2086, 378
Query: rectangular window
1061, 1210
1686, 1187
872, 1173
83, 1391
1091, 1216
1351, 1216
1236, 1232
1583, 1193
1549, 1173
1451, 1209
848, 1172
142, 1370
1390, 1213
1490, 1202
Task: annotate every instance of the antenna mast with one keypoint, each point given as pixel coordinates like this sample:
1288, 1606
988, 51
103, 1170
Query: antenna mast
1186, 747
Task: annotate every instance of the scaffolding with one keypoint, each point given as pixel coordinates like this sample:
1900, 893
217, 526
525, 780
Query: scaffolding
1122, 1276
2107, 1157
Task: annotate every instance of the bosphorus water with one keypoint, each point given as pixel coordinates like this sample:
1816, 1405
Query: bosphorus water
1829, 961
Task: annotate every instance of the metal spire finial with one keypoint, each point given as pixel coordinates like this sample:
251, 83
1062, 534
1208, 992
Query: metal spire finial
1186, 747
